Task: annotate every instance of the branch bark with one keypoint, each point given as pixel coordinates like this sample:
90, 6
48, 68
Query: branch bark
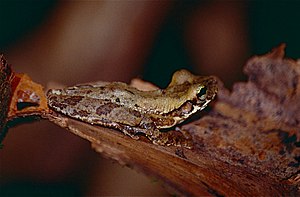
247, 143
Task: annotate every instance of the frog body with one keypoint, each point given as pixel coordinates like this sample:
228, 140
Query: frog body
133, 111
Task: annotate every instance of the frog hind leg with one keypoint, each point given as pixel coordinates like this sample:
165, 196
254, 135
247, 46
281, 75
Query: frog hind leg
148, 128
153, 134
165, 138
127, 130
170, 138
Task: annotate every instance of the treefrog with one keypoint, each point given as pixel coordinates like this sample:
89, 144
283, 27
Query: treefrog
120, 106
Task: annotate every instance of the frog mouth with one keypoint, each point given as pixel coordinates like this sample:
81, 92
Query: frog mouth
203, 104
198, 105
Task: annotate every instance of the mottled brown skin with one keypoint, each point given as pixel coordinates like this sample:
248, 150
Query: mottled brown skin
133, 111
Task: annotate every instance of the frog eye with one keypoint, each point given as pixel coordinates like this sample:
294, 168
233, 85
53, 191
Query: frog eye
202, 93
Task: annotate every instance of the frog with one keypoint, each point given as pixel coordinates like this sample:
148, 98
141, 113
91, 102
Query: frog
135, 112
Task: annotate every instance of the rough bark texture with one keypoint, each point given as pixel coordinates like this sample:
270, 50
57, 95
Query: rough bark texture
6, 76
246, 144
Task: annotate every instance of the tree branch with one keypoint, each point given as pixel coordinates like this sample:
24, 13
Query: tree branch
247, 144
